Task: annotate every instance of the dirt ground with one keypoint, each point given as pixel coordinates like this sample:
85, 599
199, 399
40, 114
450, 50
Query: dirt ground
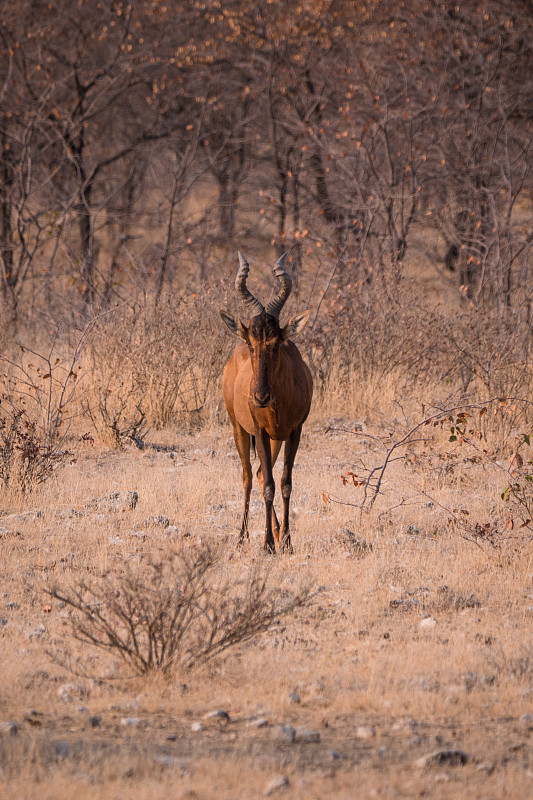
410, 673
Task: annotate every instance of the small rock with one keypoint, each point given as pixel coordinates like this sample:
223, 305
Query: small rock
407, 725
405, 603
3, 532
294, 697
276, 784
8, 728
486, 766
33, 717
527, 719
72, 692
450, 758
220, 714
12, 605
283, 733
115, 501
131, 722
307, 735
36, 633
358, 547
412, 530
3, 622
428, 624
94, 722
442, 777
157, 521
260, 722
365, 732
69, 513
196, 727
172, 530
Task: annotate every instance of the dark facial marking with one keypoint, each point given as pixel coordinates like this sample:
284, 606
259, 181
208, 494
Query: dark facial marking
264, 328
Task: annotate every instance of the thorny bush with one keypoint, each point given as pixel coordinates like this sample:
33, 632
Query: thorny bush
150, 366
175, 613
519, 491
36, 394
377, 342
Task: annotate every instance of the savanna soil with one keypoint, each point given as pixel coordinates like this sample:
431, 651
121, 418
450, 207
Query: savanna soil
409, 674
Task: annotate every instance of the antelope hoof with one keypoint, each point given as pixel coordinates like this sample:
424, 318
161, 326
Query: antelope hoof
286, 546
243, 540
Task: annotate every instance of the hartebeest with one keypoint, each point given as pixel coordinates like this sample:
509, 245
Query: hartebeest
267, 389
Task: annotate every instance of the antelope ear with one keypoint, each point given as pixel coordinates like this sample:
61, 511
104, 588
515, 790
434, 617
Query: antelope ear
234, 325
295, 325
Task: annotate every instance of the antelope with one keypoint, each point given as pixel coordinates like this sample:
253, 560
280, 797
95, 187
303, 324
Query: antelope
267, 388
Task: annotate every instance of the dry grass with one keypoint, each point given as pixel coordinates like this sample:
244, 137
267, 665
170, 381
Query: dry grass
357, 657
148, 366
419, 639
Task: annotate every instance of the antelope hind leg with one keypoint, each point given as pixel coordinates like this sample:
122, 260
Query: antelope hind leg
291, 448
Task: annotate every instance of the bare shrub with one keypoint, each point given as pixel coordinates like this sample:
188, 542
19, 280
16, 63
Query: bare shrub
113, 397
174, 613
519, 491
374, 334
36, 395
149, 367
375, 342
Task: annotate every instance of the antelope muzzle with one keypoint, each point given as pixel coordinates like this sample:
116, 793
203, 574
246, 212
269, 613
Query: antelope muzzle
263, 398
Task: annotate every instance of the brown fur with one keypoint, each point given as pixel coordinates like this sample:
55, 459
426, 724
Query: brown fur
267, 389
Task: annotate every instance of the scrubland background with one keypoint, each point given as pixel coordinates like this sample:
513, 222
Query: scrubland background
387, 147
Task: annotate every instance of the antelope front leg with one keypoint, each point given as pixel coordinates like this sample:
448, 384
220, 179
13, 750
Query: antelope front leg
262, 443
242, 442
275, 447
291, 448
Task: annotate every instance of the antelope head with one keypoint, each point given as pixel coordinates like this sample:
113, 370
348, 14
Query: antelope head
263, 335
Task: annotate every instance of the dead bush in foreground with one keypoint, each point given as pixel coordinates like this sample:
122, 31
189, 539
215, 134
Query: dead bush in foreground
173, 614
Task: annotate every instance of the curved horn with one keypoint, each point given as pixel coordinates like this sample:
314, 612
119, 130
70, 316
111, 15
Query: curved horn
252, 303
274, 307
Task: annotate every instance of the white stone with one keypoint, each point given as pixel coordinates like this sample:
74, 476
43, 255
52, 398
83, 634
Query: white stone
365, 732
276, 784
